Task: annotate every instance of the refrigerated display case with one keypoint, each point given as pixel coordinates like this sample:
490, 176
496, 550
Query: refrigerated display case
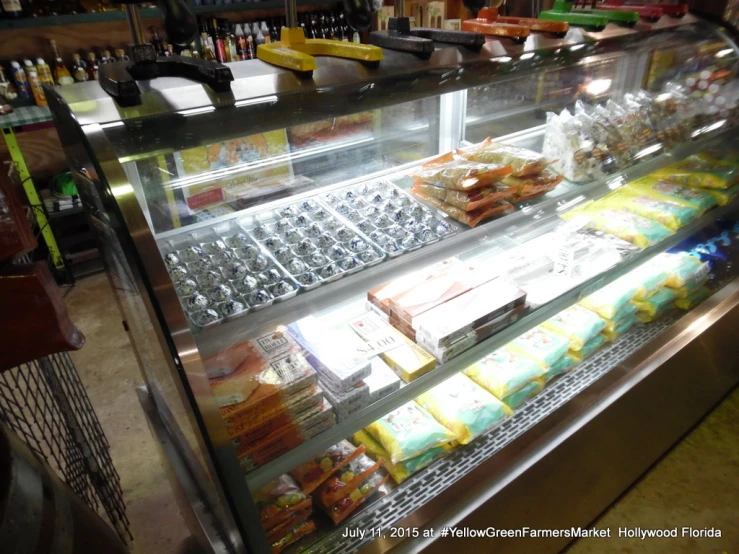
232, 221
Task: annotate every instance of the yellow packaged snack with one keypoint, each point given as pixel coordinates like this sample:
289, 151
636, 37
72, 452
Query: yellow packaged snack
619, 328
702, 171
665, 190
670, 214
655, 303
693, 299
681, 268
408, 431
542, 346
607, 301
463, 407
576, 323
724, 196
647, 279
628, 310
505, 371
516, 399
563, 365
690, 287
590, 348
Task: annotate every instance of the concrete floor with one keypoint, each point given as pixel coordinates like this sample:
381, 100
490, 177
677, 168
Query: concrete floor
696, 484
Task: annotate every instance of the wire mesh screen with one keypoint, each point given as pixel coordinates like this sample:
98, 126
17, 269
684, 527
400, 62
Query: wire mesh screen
45, 404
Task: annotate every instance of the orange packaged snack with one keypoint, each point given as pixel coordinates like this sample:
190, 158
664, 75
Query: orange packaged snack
293, 535
472, 218
279, 500
296, 518
347, 480
470, 200
314, 472
460, 174
523, 161
349, 504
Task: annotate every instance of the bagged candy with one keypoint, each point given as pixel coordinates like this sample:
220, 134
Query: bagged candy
276, 534
627, 311
575, 154
314, 472
459, 174
278, 500
647, 279
693, 299
589, 349
467, 201
468, 218
505, 371
402, 470
408, 431
681, 268
346, 506
609, 300
690, 287
516, 399
663, 190
541, 345
292, 536
670, 214
702, 171
633, 228
463, 407
563, 365
576, 323
619, 328
346, 480
724, 196
521, 160
656, 303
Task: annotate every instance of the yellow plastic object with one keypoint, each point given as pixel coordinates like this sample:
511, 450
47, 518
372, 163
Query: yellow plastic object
294, 52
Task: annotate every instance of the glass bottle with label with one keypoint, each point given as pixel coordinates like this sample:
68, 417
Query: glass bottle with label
120, 55
92, 67
21, 80
7, 89
44, 72
265, 32
38, 92
106, 57
79, 69
250, 52
28, 66
240, 42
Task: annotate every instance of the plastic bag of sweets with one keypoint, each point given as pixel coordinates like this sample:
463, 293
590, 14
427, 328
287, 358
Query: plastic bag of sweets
681, 268
521, 160
648, 279
460, 174
472, 218
402, 470
348, 505
724, 196
637, 230
619, 328
670, 214
314, 472
577, 324
561, 366
609, 300
467, 201
346, 480
278, 500
541, 345
664, 190
656, 302
627, 311
296, 518
463, 407
691, 286
293, 535
590, 348
505, 371
408, 431
702, 171
693, 299
516, 399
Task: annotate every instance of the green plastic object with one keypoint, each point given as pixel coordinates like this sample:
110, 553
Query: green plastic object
562, 11
63, 185
616, 16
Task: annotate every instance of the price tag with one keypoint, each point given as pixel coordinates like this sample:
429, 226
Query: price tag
378, 345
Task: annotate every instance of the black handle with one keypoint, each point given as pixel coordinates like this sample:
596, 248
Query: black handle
474, 5
358, 14
179, 22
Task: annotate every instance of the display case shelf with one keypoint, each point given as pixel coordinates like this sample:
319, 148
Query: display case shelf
73, 19
361, 419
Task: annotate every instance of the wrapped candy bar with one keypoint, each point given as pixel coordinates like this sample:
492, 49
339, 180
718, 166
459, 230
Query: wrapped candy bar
452, 173
293, 535
577, 324
278, 500
314, 472
467, 201
346, 506
521, 160
472, 218
346, 480
505, 371
463, 407
408, 431
670, 214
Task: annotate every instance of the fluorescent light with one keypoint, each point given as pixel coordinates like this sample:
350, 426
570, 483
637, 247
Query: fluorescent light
111, 125
122, 190
723, 53
253, 101
576, 47
527, 56
597, 87
197, 111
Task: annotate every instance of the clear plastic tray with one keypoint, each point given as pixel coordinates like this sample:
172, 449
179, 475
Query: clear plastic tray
220, 274
389, 216
312, 244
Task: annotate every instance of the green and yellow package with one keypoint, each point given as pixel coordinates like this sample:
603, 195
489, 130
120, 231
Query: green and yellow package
619, 328
724, 196
590, 348
561, 366
408, 431
607, 301
655, 303
637, 230
693, 299
463, 407
664, 190
541, 345
628, 310
577, 324
504, 371
702, 171
672, 215
516, 399
681, 268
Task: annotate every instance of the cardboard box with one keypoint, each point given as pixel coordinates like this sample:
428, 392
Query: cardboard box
382, 381
335, 353
408, 360
452, 320
348, 403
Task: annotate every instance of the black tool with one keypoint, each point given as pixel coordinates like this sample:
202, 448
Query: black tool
119, 79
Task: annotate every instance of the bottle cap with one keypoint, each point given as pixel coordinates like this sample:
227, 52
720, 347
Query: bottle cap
28, 63
40, 61
15, 65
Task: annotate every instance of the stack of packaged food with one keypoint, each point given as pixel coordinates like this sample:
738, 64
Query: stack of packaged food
481, 182
284, 512
444, 309
269, 396
715, 172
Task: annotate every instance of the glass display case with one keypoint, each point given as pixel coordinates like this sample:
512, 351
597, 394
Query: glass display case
314, 273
